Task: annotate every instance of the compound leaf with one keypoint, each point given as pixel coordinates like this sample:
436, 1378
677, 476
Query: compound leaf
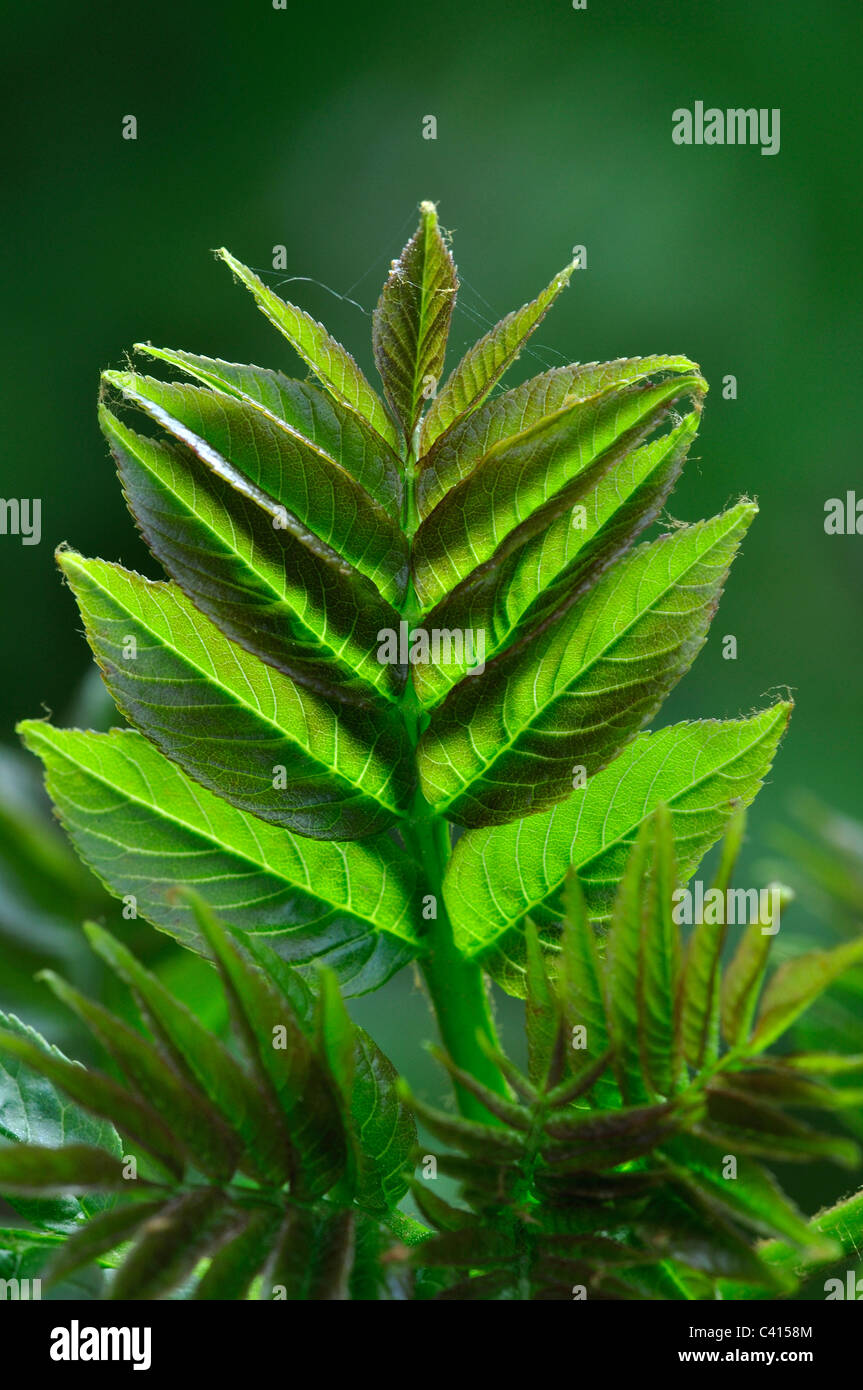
197, 1053
208, 1142
284, 1060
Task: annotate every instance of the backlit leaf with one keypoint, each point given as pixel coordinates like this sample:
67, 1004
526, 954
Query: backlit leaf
309, 488
331, 363
146, 829
529, 582
265, 580
411, 322
247, 732
699, 770
485, 363
525, 481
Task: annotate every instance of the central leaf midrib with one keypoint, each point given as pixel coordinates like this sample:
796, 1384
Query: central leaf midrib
422, 326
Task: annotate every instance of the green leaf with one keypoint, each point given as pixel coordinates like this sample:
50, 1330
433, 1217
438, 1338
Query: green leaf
104, 1097
329, 426
411, 322
752, 1198
603, 1140
741, 983
208, 1142
699, 1001
490, 1143
335, 1041
796, 985
512, 1114
331, 363
233, 1267
101, 1234
385, 1128
700, 770
581, 984
542, 1013
199, 1055
283, 1058
823, 1063
144, 828
233, 724
836, 1231
696, 1235
288, 980
468, 1249
169, 1246
455, 455
313, 1258
309, 488
541, 575
32, 1170
504, 743
25, 1256
525, 481
439, 1213
775, 1080
335, 1033
623, 972
267, 583
752, 1124
485, 363
659, 965
33, 1111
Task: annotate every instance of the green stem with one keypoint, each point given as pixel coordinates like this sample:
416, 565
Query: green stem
455, 984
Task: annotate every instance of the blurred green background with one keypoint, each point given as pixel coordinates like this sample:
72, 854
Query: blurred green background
303, 127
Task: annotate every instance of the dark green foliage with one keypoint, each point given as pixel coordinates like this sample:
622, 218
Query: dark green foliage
260, 1167
601, 1172
606, 1169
